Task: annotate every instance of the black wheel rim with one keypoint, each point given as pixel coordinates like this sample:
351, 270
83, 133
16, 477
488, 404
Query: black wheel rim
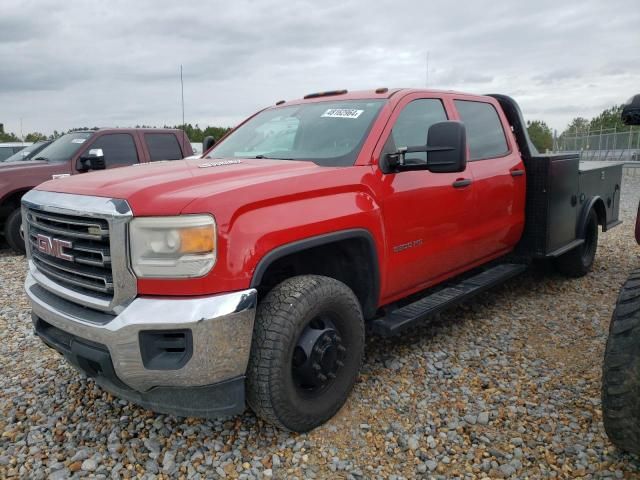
318, 357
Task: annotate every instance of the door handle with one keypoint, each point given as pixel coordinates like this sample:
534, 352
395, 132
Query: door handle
461, 183
517, 173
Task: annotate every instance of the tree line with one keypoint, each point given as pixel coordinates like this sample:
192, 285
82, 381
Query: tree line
539, 132
195, 133
607, 121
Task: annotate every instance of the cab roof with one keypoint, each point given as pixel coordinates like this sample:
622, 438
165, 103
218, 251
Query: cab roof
378, 93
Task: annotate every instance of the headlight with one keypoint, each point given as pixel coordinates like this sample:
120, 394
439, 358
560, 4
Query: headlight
173, 247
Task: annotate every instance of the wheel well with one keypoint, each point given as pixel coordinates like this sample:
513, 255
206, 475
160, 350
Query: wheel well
351, 261
601, 212
9, 203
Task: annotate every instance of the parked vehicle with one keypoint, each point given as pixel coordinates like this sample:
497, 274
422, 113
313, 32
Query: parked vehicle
80, 152
27, 152
621, 366
255, 271
9, 148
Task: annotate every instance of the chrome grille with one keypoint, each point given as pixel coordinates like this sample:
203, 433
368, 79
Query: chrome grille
77, 247
86, 245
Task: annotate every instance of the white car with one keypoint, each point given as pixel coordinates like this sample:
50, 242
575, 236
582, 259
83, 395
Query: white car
9, 148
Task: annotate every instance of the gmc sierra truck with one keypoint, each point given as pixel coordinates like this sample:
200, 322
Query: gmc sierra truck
251, 275
621, 366
80, 152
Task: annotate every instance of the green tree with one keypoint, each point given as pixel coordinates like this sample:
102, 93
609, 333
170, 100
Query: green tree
608, 120
578, 124
34, 137
8, 137
540, 135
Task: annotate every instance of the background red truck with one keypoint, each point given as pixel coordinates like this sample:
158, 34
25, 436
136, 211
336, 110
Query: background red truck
621, 365
77, 152
257, 269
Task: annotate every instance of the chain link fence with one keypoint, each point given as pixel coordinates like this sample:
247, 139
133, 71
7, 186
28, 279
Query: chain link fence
602, 144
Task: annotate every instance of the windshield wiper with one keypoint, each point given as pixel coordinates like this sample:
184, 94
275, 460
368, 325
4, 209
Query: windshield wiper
271, 158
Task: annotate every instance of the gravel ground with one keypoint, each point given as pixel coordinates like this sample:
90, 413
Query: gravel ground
507, 387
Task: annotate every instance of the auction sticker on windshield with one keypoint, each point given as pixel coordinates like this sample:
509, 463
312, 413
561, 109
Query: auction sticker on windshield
342, 113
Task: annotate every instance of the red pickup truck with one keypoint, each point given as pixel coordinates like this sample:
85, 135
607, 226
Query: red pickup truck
621, 365
79, 152
252, 274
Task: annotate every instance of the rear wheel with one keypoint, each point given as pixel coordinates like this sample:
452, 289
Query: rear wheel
621, 370
579, 261
306, 352
12, 231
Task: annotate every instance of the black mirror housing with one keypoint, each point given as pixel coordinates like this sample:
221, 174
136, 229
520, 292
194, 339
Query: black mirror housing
447, 147
631, 111
207, 143
93, 160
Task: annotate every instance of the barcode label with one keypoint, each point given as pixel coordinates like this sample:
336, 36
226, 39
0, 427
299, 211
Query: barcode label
342, 113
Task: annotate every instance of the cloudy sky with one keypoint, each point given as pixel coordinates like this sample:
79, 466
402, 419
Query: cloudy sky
71, 63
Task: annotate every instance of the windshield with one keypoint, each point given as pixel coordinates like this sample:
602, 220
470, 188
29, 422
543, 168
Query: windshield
27, 152
326, 133
62, 149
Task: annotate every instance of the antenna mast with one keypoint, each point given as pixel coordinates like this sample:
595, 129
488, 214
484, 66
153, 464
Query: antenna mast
184, 134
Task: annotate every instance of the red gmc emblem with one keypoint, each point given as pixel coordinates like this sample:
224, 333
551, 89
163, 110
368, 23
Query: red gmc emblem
54, 247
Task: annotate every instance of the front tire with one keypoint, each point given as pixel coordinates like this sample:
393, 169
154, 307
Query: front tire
621, 370
307, 349
579, 261
12, 234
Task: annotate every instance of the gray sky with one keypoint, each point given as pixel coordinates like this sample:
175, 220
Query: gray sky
70, 63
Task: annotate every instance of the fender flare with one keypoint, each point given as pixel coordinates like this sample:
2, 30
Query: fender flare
306, 243
596, 203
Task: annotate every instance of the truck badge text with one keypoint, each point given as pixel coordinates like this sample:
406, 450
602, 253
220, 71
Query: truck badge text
54, 247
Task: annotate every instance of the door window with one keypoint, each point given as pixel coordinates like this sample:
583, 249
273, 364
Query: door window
118, 148
485, 135
410, 129
163, 146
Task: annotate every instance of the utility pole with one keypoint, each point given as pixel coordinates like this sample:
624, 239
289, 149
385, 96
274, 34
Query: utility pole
427, 76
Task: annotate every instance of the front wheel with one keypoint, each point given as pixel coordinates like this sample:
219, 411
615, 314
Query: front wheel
621, 370
307, 348
12, 232
579, 261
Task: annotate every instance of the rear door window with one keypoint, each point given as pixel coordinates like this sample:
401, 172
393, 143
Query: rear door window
485, 135
163, 146
118, 149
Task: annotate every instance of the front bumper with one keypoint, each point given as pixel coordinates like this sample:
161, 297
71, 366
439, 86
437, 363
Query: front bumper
110, 347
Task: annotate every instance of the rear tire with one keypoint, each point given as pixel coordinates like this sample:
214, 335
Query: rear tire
307, 349
579, 261
621, 370
12, 231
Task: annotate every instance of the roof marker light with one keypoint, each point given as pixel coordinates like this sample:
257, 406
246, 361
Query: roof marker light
325, 94
382, 90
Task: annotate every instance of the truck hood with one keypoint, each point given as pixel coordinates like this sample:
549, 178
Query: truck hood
166, 188
21, 165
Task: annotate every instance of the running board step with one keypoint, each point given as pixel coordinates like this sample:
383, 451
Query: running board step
401, 318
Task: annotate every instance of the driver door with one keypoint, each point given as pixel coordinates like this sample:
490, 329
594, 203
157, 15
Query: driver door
426, 214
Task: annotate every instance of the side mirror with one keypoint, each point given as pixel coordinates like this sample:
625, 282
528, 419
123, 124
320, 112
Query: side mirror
631, 111
93, 160
446, 147
448, 144
207, 143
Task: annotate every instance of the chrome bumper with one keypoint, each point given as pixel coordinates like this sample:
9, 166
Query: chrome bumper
221, 326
